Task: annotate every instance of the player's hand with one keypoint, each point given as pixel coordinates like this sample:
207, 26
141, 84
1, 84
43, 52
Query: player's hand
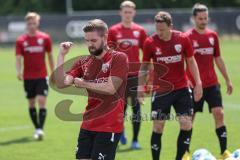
79, 82
68, 80
140, 95
229, 87
20, 76
198, 91
65, 47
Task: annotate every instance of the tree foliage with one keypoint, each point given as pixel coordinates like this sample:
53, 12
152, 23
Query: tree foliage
16, 7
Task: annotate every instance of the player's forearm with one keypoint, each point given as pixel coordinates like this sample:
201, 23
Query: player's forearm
194, 70
222, 68
143, 74
59, 73
101, 88
51, 62
18, 65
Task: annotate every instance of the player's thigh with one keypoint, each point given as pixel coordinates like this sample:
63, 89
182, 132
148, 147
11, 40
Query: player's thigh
214, 97
161, 106
42, 87
105, 146
85, 144
183, 106
30, 88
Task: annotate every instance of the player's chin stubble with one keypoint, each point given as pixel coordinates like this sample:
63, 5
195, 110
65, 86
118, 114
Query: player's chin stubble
96, 52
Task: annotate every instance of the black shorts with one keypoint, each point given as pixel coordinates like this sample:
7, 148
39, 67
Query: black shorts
35, 87
97, 145
180, 99
212, 95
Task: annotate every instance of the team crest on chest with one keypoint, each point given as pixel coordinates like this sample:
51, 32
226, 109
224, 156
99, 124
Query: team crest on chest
40, 41
105, 67
178, 48
136, 34
211, 40
158, 51
25, 43
119, 35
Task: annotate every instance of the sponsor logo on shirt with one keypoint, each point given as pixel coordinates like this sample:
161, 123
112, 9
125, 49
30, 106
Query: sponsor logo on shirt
170, 59
34, 49
204, 51
134, 42
178, 48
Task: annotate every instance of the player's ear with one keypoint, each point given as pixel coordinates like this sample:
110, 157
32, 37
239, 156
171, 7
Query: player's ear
192, 19
106, 35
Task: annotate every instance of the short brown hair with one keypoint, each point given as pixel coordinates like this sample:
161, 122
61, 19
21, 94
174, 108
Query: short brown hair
198, 7
128, 4
163, 16
96, 25
32, 15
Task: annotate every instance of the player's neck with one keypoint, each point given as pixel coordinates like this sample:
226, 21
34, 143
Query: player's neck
31, 34
105, 50
127, 24
167, 37
200, 31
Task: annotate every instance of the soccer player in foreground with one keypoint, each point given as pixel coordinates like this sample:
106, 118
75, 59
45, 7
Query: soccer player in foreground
31, 47
207, 51
104, 75
128, 37
170, 48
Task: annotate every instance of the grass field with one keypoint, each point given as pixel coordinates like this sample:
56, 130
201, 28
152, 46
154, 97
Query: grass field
16, 131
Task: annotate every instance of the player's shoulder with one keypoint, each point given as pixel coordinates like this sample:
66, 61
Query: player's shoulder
189, 32
211, 32
115, 26
138, 27
178, 33
118, 54
21, 38
43, 34
151, 38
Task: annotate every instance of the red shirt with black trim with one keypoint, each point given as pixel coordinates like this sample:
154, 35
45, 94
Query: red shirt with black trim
206, 48
104, 113
33, 50
171, 54
127, 40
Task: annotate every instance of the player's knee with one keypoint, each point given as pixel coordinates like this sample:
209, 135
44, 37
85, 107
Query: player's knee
218, 113
218, 116
31, 102
41, 101
185, 123
158, 127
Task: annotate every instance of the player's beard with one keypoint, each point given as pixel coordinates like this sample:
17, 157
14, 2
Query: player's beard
98, 51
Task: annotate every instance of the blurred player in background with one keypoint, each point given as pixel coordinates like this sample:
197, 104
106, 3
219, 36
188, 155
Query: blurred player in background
170, 48
31, 47
207, 51
128, 37
104, 74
